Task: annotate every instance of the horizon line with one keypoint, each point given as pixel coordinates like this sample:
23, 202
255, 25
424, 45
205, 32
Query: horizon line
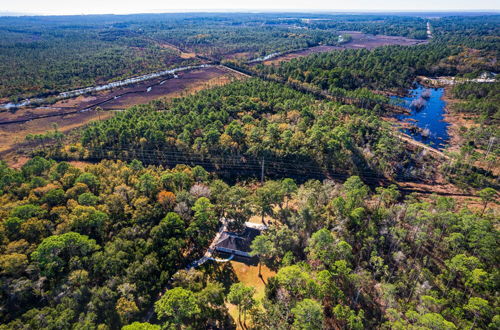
253, 11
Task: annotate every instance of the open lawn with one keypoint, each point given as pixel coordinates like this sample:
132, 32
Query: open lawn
249, 275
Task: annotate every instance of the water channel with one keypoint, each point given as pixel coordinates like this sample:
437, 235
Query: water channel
425, 122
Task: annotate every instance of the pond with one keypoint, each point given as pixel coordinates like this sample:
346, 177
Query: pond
425, 122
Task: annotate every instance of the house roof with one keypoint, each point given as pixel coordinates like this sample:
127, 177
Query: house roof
238, 241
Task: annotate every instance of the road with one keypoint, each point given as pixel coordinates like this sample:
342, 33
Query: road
91, 107
211, 248
207, 256
457, 80
415, 143
112, 85
429, 30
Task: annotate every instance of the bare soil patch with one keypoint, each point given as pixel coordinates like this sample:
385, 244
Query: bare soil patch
301, 53
359, 40
187, 82
239, 56
182, 54
13, 146
18, 162
456, 121
12, 136
459, 121
368, 41
82, 165
77, 101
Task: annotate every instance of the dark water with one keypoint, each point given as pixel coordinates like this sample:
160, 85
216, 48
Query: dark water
432, 129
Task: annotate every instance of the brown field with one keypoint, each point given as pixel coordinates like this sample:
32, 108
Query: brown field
300, 53
182, 54
440, 187
239, 56
124, 97
13, 134
13, 147
368, 41
249, 275
359, 40
187, 83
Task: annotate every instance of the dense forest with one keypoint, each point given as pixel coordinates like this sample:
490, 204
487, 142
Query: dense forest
349, 258
385, 68
32, 61
407, 26
94, 247
352, 240
235, 126
109, 47
478, 32
103, 48
247, 41
357, 74
462, 46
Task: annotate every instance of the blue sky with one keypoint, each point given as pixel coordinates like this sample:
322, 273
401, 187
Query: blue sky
145, 6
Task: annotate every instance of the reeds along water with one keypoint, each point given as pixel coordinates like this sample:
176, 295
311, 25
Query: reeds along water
426, 94
427, 109
418, 104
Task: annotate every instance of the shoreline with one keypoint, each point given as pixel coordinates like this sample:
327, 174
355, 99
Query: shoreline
455, 120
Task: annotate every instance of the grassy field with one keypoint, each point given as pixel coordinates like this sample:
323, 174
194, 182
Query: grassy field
249, 275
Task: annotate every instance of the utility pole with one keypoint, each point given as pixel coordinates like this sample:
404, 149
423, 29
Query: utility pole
262, 183
490, 144
98, 110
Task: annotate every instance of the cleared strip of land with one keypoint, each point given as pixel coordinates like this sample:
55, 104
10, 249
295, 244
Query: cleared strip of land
76, 112
359, 40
